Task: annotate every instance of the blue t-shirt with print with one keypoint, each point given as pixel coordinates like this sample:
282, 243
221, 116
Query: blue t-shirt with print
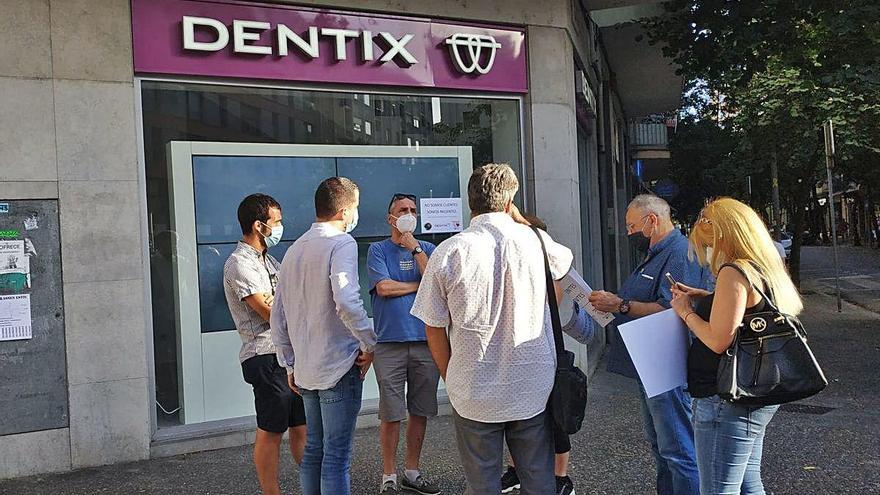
391, 315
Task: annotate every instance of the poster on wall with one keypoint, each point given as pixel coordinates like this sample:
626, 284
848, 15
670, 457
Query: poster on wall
14, 266
15, 317
441, 215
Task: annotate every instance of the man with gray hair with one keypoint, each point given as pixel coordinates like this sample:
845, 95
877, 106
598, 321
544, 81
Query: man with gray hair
667, 417
486, 286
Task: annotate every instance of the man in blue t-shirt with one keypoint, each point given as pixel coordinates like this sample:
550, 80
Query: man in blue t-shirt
405, 370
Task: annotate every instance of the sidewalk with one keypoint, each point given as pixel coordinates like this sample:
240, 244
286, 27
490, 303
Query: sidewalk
828, 444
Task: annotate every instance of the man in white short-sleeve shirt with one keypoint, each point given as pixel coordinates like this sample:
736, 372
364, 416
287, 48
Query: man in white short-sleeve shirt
487, 286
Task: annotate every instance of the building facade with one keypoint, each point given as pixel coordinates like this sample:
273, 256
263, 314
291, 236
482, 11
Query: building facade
130, 131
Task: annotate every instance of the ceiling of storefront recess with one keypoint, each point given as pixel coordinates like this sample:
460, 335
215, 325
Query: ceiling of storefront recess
644, 78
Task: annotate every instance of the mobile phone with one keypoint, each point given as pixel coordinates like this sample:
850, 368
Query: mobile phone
672, 281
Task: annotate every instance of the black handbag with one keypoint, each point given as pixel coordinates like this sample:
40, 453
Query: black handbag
769, 361
568, 399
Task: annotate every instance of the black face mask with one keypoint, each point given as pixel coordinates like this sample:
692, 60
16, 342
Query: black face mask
639, 242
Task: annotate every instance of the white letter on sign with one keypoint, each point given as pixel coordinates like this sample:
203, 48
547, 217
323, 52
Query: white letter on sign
240, 37
340, 35
398, 47
189, 37
285, 35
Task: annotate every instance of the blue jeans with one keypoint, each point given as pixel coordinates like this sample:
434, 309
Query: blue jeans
670, 431
331, 416
729, 439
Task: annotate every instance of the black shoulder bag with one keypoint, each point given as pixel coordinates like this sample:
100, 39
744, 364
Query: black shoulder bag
568, 399
769, 361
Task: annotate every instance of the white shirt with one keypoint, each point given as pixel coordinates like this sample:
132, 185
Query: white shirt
780, 249
487, 285
318, 319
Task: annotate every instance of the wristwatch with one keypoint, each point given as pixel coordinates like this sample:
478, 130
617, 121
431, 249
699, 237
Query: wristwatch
417, 250
624, 307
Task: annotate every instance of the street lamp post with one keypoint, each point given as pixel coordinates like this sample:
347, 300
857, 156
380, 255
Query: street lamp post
828, 127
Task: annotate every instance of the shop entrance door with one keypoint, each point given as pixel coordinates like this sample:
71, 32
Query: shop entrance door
207, 182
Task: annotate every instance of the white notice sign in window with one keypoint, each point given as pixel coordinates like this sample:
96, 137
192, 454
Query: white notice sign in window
15, 317
440, 215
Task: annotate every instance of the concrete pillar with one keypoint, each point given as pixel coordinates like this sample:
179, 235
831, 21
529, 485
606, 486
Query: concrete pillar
554, 135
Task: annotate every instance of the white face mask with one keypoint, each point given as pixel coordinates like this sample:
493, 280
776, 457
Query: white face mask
354, 221
405, 223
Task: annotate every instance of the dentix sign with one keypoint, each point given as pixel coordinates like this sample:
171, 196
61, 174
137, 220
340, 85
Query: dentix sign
237, 40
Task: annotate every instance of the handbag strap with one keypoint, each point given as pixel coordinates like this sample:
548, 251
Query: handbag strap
551, 299
768, 300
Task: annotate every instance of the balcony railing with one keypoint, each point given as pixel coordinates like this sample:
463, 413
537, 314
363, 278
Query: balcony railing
649, 136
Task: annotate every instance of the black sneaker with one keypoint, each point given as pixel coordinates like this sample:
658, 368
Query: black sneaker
420, 485
564, 486
509, 480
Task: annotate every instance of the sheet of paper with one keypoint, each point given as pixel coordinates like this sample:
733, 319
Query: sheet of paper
440, 215
15, 317
576, 288
658, 345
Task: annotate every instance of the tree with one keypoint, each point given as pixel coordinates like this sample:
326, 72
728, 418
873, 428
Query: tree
779, 70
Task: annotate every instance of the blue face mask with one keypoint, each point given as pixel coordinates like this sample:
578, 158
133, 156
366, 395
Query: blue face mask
274, 238
354, 221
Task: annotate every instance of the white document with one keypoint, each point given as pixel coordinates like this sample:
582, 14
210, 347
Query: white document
658, 345
440, 215
15, 317
578, 289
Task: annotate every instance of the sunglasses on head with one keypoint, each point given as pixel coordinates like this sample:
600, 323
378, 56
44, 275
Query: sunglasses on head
399, 196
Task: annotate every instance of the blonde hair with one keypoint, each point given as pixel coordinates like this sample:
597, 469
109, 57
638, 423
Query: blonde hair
737, 235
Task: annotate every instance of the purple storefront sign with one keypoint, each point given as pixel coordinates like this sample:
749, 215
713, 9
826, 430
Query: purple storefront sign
254, 41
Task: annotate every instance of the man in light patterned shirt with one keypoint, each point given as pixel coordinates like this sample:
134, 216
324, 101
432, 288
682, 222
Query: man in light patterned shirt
487, 286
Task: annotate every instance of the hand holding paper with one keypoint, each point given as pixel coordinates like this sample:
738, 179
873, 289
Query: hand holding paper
576, 288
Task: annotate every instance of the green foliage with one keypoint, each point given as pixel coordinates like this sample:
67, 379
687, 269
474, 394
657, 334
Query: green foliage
784, 67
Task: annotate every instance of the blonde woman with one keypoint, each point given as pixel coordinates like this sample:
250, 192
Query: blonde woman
734, 243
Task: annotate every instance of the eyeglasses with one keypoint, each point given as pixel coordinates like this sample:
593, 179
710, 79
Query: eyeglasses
399, 196
631, 226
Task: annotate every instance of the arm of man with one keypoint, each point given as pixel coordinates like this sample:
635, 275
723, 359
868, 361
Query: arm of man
409, 241
261, 303
279, 332
431, 307
438, 343
393, 288
580, 327
347, 295
380, 276
610, 303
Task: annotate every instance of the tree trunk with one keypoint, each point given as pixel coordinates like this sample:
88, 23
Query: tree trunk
857, 220
799, 219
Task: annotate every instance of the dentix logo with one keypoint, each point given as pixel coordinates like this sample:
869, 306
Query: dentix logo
475, 57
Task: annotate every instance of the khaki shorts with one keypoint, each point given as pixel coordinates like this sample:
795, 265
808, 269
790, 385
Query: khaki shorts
407, 379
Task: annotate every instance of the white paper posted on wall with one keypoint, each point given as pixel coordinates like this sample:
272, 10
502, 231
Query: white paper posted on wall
576, 288
15, 317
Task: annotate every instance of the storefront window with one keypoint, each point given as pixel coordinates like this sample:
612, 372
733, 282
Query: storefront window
174, 112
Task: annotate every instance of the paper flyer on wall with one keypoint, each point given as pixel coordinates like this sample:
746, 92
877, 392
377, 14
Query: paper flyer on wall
576, 288
15, 317
440, 215
14, 265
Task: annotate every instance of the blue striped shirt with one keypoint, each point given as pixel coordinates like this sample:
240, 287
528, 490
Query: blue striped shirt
648, 284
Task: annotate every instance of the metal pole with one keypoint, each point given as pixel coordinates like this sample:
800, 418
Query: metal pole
829, 164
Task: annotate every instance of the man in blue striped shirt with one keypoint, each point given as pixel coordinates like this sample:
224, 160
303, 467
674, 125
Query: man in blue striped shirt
667, 417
